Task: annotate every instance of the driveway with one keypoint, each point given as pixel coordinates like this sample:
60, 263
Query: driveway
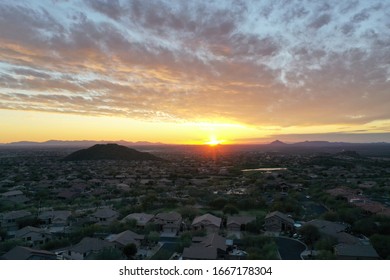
289, 249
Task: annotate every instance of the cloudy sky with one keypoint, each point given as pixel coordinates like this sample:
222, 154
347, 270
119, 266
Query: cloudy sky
185, 71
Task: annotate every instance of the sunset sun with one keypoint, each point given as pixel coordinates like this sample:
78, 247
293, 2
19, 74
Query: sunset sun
214, 141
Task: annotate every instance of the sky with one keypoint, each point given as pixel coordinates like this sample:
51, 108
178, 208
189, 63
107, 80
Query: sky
191, 72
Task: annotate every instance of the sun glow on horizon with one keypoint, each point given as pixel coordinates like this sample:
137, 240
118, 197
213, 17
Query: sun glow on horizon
214, 141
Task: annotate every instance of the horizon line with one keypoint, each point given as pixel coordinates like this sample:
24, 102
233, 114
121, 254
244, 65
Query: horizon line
140, 142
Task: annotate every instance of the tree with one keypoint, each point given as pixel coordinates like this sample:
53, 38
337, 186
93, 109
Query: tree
255, 226
330, 216
188, 212
325, 243
28, 222
310, 234
218, 203
230, 209
350, 215
184, 241
7, 245
130, 250
55, 244
3, 234
325, 255
260, 247
366, 226
251, 203
153, 237
117, 227
381, 244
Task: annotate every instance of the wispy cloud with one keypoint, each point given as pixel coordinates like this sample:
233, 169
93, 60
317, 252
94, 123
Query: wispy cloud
261, 63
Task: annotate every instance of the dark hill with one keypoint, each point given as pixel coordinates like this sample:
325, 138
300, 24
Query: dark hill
277, 143
110, 152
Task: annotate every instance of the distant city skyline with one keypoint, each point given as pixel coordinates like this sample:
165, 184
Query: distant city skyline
195, 72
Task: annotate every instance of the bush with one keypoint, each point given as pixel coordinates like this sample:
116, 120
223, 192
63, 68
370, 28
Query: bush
130, 250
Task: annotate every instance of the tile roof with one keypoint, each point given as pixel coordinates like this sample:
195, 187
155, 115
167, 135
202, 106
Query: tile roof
15, 214
280, 215
126, 237
105, 213
208, 218
239, 220
327, 227
90, 244
25, 253
58, 214
29, 229
141, 218
171, 216
357, 250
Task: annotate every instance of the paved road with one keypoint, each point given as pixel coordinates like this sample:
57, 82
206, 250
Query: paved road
289, 249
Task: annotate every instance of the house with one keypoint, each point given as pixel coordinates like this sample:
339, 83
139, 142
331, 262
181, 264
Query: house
25, 253
126, 237
86, 247
277, 221
168, 223
123, 187
104, 216
59, 218
10, 220
15, 196
332, 229
165, 182
33, 236
207, 221
210, 247
349, 247
67, 194
355, 252
142, 219
214, 240
238, 223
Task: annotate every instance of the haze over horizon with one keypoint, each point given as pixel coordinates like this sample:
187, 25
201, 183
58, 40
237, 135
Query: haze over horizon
191, 72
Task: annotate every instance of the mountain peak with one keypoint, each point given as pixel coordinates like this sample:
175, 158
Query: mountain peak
277, 143
111, 151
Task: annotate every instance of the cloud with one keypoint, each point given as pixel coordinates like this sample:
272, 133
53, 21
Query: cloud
320, 21
110, 8
282, 63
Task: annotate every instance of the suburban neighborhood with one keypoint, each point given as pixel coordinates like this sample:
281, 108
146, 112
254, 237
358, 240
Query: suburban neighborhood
198, 203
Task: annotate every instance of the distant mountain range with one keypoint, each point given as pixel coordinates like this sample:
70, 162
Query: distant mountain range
110, 152
278, 143
88, 143
79, 143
